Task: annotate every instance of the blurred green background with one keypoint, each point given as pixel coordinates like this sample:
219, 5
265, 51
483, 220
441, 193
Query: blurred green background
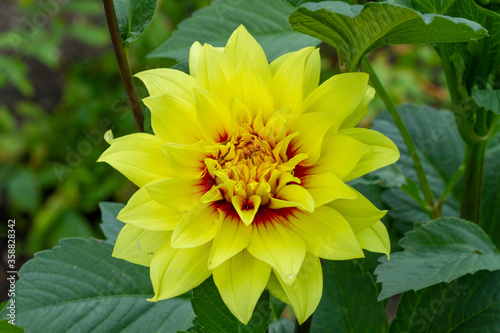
60, 91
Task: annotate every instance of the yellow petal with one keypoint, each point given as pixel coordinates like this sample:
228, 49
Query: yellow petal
340, 95
359, 212
276, 63
194, 58
139, 157
178, 193
214, 72
326, 234
251, 89
279, 246
312, 69
312, 128
384, 151
312, 72
108, 137
187, 160
143, 212
212, 195
241, 280
340, 154
241, 113
138, 245
305, 293
174, 272
197, 227
246, 209
361, 110
168, 81
326, 187
173, 119
213, 116
375, 238
293, 196
278, 122
241, 44
231, 237
287, 84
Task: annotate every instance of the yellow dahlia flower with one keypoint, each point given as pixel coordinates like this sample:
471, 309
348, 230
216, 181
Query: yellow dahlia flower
244, 178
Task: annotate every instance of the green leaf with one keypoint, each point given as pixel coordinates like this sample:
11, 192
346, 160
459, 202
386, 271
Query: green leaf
147, 121
424, 6
441, 150
387, 177
110, 226
213, 316
277, 307
488, 99
440, 251
411, 188
349, 303
266, 20
133, 17
79, 287
297, 3
357, 30
469, 304
182, 66
5, 327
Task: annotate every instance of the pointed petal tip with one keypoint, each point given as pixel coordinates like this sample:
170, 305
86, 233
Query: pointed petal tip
108, 137
241, 27
302, 319
247, 214
121, 215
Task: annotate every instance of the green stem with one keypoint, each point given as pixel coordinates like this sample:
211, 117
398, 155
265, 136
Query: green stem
123, 64
450, 186
450, 78
484, 58
473, 182
305, 327
412, 150
478, 129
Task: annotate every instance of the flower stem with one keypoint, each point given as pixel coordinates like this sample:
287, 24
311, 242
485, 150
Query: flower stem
451, 81
473, 182
412, 150
474, 128
123, 64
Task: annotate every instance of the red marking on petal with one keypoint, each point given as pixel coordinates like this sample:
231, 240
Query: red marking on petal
267, 216
227, 208
206, 182
292, 150
302, 171
223, 138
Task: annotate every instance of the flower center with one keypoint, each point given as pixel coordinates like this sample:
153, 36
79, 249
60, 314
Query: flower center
250, 165
248, 158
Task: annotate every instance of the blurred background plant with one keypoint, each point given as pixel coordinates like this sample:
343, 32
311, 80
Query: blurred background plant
60, 91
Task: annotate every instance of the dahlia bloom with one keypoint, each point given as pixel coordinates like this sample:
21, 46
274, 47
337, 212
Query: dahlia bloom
244, 178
